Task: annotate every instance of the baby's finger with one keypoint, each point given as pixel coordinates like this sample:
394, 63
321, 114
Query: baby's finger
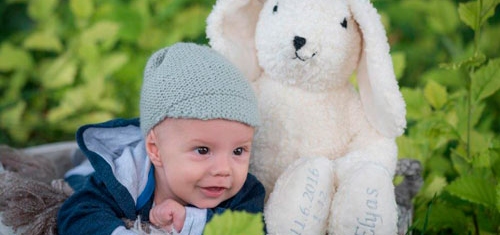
178, 224
178, 218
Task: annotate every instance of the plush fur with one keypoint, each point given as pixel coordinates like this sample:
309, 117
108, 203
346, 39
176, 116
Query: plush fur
326, 151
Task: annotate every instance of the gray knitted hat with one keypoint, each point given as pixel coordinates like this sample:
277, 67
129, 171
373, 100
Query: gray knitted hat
192, 81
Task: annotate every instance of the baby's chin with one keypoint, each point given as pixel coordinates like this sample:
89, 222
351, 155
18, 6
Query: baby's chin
209, 203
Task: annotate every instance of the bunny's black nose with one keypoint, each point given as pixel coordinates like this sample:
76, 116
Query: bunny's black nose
298, 42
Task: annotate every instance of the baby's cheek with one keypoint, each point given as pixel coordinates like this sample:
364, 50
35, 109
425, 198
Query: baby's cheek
184, 168
239, 179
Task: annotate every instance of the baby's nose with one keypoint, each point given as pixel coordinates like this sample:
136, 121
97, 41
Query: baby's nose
221, 165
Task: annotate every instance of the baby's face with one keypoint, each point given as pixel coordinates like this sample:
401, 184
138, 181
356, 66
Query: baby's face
203, 163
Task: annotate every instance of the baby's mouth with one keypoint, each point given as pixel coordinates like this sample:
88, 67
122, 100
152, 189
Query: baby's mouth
213, 191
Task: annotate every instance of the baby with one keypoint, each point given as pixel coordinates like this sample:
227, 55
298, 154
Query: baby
185, 160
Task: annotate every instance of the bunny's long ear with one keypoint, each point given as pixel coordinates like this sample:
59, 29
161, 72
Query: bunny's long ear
378, 88
231, 32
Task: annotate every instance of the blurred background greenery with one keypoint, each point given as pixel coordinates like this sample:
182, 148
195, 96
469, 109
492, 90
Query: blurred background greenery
64, 63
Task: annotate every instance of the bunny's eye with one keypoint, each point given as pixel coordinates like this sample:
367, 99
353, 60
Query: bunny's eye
275, 9
344, 23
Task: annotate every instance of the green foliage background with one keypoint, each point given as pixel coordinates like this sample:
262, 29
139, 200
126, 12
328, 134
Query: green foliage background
64, 63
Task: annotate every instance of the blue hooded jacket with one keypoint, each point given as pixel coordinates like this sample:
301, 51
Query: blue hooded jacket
120, 184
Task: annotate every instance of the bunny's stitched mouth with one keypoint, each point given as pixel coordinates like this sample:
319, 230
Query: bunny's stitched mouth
297, 56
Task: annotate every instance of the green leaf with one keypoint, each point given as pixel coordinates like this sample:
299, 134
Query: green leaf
416, 107
498, 196
12, 115
460, 162
473, 189
151, 38
473, 61
129, 19
434, 185
113, 62
451, 79
12, 118
477, 113
410, 148
455, 219
16, 83
100, 68
189, 24
191, 21
235, 223
91, 73
462, 109
102, 31
485, 43
488, 10
111, 105
486, 80
468, 12
438, 164
13, 58
442, 16
43, 41
82, 9
59, 72
73, 100
435, 94
482, 160
479, 142
399, 62
87, 51
452, 119
42, 9
61, 112
131, 25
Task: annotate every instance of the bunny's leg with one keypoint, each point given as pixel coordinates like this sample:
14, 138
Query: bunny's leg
365, 200
300, 201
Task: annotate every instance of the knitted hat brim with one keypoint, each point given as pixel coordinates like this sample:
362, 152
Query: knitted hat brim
222, 106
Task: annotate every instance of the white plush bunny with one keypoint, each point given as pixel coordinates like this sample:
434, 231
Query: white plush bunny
326, 151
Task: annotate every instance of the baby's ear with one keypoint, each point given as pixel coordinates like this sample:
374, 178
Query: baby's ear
152, 148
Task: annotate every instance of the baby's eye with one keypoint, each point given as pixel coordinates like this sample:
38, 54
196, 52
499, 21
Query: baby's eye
238, 151
275, 8
202, 150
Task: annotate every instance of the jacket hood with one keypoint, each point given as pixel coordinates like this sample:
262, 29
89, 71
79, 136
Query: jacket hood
117, 152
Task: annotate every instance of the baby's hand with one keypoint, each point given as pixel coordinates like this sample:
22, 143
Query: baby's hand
168, 215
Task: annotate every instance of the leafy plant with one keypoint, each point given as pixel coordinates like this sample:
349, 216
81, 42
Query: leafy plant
235, 223
67, 63
452, 121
